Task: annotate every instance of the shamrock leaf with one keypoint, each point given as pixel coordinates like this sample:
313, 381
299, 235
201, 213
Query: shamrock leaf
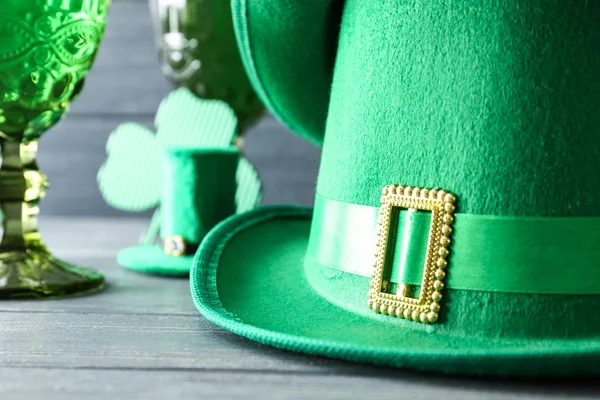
130, 179
183, 119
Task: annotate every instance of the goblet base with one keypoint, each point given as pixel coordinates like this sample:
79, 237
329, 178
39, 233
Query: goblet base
36, 274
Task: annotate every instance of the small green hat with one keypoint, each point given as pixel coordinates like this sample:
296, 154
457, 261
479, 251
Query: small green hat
456, 226
199, 190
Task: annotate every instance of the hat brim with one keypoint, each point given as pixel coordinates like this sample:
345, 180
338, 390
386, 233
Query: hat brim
249, 277
153, 260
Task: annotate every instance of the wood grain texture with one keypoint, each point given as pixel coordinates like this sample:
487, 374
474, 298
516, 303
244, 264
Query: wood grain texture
143, 338
148, 384
126, 78
131, 340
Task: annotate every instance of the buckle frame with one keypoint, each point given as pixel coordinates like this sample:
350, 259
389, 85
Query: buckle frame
426, 307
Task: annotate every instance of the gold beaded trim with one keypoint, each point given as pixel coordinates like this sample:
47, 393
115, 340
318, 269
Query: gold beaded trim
424, 309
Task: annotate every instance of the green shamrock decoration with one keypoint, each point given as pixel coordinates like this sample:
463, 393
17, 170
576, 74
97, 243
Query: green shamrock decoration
131, 177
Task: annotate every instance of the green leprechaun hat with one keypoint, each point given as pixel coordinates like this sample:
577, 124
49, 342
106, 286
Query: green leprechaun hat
456, 226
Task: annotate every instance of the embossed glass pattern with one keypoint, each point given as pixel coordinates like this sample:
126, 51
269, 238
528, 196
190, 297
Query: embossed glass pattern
46, 49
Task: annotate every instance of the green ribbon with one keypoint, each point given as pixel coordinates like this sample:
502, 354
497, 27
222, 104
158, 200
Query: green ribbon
543, 255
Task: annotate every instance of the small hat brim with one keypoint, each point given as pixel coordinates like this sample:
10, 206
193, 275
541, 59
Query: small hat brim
248, 277
153, 260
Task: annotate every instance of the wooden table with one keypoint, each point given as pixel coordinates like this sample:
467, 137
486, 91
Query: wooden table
142, 338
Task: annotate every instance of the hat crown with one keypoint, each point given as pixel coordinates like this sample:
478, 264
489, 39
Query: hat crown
494, 101
199, 188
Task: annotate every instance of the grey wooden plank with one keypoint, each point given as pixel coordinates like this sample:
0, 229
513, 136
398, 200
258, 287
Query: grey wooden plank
94, 243
73, 151
134, 341
126, 292
288, 164
90, 237
126, 76
26, 383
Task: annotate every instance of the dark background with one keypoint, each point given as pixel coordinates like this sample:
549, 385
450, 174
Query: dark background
126, 85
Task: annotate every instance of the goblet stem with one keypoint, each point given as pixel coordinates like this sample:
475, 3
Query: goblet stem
27, 268
22, 187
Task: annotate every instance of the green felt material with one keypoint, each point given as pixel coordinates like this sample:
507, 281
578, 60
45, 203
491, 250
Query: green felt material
247, 196
199, 189
152, 259
268, 296
542, 255
130, 179
495, 101
288, 49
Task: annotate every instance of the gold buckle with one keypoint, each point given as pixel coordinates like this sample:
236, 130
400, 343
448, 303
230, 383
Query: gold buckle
426, 307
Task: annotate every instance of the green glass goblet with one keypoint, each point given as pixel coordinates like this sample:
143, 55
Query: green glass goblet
46, 49
198, 50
